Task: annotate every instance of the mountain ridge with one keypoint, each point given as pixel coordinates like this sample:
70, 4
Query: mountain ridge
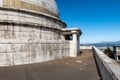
104, 43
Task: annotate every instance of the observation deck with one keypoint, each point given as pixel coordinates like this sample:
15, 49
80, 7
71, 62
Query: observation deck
91, 64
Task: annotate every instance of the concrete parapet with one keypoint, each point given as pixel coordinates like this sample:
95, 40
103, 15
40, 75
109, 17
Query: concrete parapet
85, 47
108, 68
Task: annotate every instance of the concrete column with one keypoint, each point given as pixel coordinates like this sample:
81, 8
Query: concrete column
78, 45
74, 45
117, 57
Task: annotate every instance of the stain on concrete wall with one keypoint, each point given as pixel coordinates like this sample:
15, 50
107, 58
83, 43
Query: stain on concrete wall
28, 36
23, 44
44, 6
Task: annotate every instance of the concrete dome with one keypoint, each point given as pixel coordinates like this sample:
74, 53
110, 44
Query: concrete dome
44, 6
31, 32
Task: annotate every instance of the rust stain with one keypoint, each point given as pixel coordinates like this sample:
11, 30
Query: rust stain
25, 5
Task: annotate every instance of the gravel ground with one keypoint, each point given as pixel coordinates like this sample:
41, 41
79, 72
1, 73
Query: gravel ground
82, 67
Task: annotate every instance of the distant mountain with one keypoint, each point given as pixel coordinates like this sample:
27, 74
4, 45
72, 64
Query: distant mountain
101, 44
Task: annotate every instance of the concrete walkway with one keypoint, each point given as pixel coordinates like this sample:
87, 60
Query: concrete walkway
79, 68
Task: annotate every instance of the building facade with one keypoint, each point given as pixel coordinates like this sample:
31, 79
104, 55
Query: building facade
116, 51
31, 31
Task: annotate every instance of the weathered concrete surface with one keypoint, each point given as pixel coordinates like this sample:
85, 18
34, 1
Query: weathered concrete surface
44, 6
108, 68
31, 31
79, 68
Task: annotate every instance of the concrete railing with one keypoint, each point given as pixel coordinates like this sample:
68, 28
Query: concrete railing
108, 68
85, 47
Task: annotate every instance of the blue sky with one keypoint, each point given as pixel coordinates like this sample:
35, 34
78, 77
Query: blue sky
99, 20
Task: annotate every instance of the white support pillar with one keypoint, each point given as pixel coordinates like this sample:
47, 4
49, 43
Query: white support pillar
78, 45
117, 57
74, 45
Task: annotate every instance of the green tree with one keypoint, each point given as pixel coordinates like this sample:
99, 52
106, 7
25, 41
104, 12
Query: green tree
109, 52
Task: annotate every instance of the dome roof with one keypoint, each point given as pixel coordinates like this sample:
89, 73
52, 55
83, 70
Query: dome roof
44, 6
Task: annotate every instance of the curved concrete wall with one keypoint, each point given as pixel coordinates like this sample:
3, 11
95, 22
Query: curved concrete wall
22, 44
30, 37
108, 68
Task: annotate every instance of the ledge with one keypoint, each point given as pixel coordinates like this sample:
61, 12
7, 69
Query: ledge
72, 31
108, 68
4, 22
31, 12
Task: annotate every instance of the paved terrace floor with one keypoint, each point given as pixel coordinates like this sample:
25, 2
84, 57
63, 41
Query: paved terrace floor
82, 67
